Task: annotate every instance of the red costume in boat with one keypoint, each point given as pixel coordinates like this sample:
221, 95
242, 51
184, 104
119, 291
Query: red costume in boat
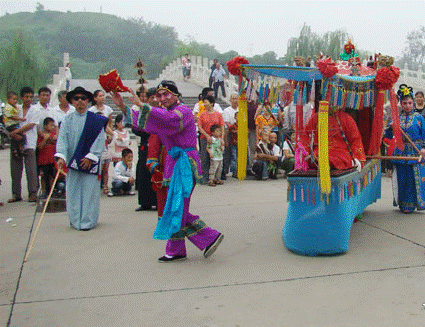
345, 141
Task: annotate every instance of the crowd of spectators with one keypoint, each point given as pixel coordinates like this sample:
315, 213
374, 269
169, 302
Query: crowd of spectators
33, 130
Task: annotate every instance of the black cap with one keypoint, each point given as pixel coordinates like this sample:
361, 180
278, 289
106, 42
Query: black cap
78, 90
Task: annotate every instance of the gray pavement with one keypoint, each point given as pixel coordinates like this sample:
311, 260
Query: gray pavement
110, 276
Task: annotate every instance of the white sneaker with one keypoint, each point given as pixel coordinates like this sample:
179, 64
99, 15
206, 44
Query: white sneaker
110, 194
131, 193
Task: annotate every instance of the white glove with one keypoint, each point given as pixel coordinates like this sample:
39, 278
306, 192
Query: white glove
356, 163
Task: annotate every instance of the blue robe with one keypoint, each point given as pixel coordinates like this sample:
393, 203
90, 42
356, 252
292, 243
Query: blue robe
410, 174
82, 189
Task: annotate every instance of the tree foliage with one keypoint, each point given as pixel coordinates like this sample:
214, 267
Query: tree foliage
103, 41
268, 58
414, 53
310, 44
22, 65
39, 7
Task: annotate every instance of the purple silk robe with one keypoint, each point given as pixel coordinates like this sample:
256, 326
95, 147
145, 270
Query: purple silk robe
175, 127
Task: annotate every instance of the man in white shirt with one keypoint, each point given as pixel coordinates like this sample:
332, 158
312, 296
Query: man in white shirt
43, 107
218, 76
229, 119
29, 127
63, 108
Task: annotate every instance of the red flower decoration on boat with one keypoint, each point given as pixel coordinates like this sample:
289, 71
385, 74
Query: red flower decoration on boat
327, 67
112, 82
234, 65
386, 77
349, 47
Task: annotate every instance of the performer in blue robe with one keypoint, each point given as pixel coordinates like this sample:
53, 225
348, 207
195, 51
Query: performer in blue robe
409, 175
80, 145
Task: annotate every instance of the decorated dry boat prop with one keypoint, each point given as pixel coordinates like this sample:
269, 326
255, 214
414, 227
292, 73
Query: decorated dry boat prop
323, 203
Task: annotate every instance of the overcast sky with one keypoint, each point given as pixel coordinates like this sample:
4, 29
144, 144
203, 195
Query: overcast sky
256, 27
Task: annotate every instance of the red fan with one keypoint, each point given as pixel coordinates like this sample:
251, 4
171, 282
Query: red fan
112, 82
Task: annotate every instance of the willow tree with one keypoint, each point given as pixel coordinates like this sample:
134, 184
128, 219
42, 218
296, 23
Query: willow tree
333, 43
310, 44
189, 46
415, 49
22, 65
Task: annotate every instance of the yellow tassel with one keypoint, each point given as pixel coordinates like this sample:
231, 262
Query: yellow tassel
276, 93
242, 135
271, 94
324, 169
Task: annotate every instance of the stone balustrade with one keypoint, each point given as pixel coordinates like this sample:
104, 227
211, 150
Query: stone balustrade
201, 71
415, 79
199, 75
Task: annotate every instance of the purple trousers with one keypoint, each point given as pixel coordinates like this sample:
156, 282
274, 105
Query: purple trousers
194, 229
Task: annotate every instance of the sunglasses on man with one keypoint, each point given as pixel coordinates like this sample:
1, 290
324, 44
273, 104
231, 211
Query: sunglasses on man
80, 97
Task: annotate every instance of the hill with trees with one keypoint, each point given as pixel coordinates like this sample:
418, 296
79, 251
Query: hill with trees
95, 42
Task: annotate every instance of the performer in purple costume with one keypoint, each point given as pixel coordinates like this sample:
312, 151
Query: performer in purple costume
176, 129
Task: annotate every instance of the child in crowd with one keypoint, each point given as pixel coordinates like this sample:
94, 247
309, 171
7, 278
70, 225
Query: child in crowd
11, 118
188, 68
288, 158
233, 130
120, 139
46, 145
123, 179
276, 155
215, 150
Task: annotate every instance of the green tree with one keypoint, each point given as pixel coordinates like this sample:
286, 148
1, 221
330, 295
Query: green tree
310, 44
414, 53
23, 65
39, 7
190, 46
267, 58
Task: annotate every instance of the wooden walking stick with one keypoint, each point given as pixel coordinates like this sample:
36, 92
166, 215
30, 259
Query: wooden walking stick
393, 158
42, 215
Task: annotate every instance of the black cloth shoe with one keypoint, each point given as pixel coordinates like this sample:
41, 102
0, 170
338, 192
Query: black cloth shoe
172, 259
210, 249
143, 208
13, 200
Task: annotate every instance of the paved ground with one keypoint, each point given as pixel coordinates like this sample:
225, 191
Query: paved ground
110, 277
